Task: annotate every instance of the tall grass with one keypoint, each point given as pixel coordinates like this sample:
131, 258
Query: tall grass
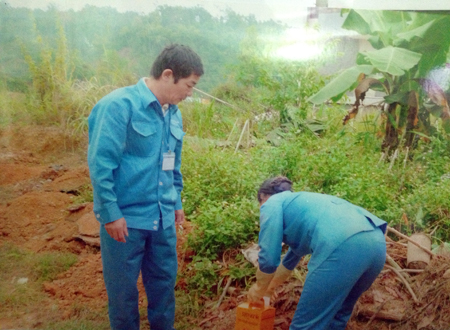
12, 108
55, 96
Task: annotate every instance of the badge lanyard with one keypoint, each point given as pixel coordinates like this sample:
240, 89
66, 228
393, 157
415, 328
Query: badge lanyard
168, 163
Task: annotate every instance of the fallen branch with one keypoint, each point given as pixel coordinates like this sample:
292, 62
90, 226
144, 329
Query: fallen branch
399, 234
393, 264
412, 270
382, 314
207, 320
405, 282
224, 292
215, 98
375, 314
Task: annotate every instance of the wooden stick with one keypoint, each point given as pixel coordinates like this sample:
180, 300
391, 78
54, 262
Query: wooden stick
399, 234
383, 314
375, 314
434, 230
215, 98
393, 264
248, 135
224, 292
232, 130
394, 157
240, 137
412, 270
406, 157
405, 282
383, 155
208, 319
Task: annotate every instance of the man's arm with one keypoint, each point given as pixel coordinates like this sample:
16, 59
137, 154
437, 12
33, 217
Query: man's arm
177, 176
107, 136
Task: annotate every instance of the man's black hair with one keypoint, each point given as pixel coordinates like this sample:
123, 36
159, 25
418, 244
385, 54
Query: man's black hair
274, 186
181, 59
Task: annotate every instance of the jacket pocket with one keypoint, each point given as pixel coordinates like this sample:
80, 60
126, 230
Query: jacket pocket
176, 135
142, 139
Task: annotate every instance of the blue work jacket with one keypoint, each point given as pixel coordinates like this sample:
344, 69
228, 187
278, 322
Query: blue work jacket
309, 223
128, 135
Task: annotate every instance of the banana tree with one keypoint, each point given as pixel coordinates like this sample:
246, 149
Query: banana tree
407, 47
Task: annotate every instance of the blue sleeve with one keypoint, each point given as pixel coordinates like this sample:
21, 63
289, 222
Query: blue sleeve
177, 176
291, 259
270, 235
107, 135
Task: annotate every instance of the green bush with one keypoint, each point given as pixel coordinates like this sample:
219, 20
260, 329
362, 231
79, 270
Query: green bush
223, 225
201, 275
220, 198
216, 174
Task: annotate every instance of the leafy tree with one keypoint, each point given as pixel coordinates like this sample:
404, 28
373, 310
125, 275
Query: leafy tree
408, 45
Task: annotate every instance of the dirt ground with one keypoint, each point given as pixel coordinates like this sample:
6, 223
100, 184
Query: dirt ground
42, 172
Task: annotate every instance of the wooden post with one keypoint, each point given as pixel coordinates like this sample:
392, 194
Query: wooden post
417, 258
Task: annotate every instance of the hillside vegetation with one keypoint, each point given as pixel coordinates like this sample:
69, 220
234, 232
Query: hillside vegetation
54, 66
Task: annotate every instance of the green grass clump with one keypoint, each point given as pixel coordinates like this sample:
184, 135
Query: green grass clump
23, 273
48, 265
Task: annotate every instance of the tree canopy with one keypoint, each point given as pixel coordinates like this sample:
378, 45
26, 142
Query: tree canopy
94, 32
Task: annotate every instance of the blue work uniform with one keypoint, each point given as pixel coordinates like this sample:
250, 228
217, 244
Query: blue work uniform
129, 135
347, 247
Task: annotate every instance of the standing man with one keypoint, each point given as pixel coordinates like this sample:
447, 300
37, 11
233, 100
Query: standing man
134, 157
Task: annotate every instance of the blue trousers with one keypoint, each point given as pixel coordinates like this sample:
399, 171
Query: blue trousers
154, 254
332, 289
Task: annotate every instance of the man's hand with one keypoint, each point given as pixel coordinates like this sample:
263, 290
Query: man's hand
179, 217
281, 275
117, 229
257, 291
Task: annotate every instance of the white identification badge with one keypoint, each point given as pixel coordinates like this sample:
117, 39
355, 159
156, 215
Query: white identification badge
168, 161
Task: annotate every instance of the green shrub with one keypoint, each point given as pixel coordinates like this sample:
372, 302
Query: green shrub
223, 225
216, 174
201, 275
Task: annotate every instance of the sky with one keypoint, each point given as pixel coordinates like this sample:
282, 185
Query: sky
262, 9
292, 13
288, 11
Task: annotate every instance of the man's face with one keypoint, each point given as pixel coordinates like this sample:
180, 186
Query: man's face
177, 92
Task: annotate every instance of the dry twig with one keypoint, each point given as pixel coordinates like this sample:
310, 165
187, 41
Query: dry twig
224, 292
375, 314
393, 264
405, 282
